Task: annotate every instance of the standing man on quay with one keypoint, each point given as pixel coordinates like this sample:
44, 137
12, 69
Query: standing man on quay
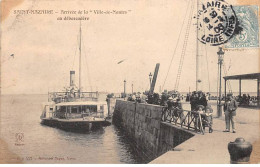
230, 108
194, 100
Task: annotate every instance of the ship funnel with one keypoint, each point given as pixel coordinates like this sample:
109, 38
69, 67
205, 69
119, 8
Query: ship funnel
72, 78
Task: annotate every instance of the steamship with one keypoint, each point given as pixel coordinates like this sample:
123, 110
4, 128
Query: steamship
74, 109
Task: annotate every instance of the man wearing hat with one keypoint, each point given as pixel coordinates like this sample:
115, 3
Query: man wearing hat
230, 107
170, 103
164, 98
202, 99
178, 110
194, 100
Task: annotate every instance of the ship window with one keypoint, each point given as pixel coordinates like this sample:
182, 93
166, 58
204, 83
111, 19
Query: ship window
58, 108
74, 109
63, 109
91, 108
101, 107
81, 109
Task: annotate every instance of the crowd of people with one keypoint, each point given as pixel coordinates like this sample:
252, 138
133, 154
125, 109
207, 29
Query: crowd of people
171, 100
199, 102
198, 98
246, 100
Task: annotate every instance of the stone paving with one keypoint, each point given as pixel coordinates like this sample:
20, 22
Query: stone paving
211, 148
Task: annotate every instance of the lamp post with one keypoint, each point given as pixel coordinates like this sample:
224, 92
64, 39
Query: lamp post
220, 62
124, 89
150, 77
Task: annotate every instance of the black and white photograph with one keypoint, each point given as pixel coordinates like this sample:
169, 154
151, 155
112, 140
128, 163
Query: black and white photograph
129, 82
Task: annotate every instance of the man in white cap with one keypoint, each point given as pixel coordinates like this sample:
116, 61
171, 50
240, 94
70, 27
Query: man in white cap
230, 108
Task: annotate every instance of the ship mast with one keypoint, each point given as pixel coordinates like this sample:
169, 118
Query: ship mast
198, 56
79, 58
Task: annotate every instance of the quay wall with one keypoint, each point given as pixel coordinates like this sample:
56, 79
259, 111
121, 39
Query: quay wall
171, 136
142, 123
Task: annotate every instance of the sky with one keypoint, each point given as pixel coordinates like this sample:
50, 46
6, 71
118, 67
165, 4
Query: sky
46, 49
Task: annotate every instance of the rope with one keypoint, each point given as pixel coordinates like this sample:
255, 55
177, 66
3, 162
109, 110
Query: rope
176, 46
184, 49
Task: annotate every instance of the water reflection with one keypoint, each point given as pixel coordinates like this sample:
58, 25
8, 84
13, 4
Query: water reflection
21, 114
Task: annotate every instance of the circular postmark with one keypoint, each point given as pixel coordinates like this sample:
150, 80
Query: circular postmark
216, 22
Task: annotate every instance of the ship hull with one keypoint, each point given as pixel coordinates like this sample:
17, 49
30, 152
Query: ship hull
72, 125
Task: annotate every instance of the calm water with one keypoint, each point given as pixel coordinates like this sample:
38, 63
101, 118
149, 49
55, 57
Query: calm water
43, 144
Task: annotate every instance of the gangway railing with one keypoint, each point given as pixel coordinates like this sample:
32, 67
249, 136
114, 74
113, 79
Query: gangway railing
184, 118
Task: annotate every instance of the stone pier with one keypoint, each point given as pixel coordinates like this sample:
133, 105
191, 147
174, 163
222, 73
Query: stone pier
212, 148
142, 122
165, 143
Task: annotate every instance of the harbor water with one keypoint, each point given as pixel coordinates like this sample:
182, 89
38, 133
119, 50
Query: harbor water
33, 142
20, 116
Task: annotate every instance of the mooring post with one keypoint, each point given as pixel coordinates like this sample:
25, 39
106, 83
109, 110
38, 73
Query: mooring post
240, 151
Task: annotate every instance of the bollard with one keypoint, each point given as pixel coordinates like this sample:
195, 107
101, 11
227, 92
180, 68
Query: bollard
239, 151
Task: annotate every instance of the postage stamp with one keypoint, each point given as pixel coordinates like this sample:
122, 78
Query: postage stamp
248, 37
216, 22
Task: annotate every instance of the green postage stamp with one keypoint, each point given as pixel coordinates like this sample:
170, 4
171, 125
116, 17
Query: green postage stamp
248, 36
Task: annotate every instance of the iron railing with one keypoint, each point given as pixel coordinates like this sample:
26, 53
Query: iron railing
191, 120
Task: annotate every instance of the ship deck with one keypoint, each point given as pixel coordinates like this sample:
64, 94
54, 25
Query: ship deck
75, 120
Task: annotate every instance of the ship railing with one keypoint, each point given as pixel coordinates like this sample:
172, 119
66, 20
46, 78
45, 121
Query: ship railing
191, 120
99, 114
47, 114
59, 100
81, 99
51, 114
58, 97
93, 114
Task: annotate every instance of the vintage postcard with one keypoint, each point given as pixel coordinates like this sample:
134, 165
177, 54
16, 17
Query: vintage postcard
130, 82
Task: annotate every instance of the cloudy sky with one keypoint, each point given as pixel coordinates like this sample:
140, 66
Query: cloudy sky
45, 49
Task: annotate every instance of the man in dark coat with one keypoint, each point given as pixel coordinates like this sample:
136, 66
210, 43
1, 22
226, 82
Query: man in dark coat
230, 107
194, 100
164, 98
202, 99
170, 103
